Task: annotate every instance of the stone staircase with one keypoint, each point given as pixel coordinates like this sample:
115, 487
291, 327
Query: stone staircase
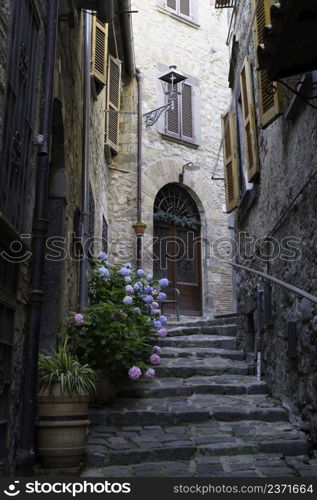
204, 414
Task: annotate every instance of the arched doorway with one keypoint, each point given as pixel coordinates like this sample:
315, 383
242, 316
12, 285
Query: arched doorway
177, 247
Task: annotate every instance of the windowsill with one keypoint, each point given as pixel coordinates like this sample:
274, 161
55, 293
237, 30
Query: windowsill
183, 19
247, 201
179, 141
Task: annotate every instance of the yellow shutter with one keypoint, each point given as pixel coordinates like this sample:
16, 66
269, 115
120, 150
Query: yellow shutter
99, 50
249, 124
113, 103
231, 166
269, 92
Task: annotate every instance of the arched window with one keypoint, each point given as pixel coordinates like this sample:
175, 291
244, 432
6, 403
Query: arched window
175, 206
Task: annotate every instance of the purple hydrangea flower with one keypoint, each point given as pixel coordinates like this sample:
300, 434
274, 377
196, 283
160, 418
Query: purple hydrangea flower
134, 372
129, 289
128, 301
124, 271
149, 277
79, 319
104, 272
156, 349
128, 265
140, 273
150, 373
157, 324
137, 311
155, 311
163, 319
103, 256
127, 279
155, 305
164, 283
148, 289
162, 297
162, 332
138, 286
148, 299
155, 359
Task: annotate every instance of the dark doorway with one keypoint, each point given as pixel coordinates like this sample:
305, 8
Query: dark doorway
177, 247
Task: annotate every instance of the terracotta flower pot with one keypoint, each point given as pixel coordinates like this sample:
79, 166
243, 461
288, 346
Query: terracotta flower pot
62, 428
139, 229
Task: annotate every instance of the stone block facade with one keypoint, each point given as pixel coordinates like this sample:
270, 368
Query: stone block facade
283, 217
198, 49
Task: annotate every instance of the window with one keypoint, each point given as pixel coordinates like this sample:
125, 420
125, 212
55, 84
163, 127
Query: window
180, 7
183, 122
113, 103
269, 92
104, 235
99, 51
230, 155
184, 10
249, 123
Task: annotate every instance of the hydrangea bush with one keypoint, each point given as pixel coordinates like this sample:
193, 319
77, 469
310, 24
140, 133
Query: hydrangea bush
123, 322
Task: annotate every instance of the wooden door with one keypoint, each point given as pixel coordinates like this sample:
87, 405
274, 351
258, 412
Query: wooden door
177, 256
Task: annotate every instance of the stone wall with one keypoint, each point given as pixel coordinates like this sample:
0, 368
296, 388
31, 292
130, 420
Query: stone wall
199, 51
287, 153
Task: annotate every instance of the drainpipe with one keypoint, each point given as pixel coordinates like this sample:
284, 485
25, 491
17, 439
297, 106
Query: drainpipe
139, 168
85, 164
25, 455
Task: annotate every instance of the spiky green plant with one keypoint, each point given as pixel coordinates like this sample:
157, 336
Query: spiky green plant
64, 368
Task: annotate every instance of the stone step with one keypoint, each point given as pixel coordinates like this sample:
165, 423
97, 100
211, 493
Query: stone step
215, 341
189, 367
223, 330
201, 352
128, 445
193, 409
166, 387
254, 465
217, 321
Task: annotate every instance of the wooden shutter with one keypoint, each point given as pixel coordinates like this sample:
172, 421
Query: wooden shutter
269, 92
249, 123
99, 49
113, 102
184, 7
173, 119
171, 4
187, 128
230, 155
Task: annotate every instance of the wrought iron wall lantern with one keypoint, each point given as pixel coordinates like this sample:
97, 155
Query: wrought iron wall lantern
170, 81
188, 166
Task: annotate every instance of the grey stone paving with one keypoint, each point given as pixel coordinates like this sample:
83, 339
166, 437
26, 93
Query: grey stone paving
204, 415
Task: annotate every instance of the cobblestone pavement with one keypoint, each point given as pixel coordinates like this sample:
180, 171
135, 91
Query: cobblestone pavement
204, 415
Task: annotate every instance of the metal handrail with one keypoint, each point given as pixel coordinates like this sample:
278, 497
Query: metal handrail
292, 288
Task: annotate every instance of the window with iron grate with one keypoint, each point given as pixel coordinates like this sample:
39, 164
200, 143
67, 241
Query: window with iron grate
224, 4
104, 235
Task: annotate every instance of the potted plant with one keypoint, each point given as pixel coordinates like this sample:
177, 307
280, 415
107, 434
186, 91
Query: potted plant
139, 228
65, 385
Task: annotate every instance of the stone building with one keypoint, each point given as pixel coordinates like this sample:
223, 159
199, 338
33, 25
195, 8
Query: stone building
55, 82
270, 170
191, 36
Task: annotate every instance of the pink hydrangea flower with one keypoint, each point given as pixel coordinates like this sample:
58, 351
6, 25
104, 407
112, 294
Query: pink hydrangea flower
134, 373
129, 289
155, 359
162, 332
150, 373
155, 305
79, 319
156, 349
